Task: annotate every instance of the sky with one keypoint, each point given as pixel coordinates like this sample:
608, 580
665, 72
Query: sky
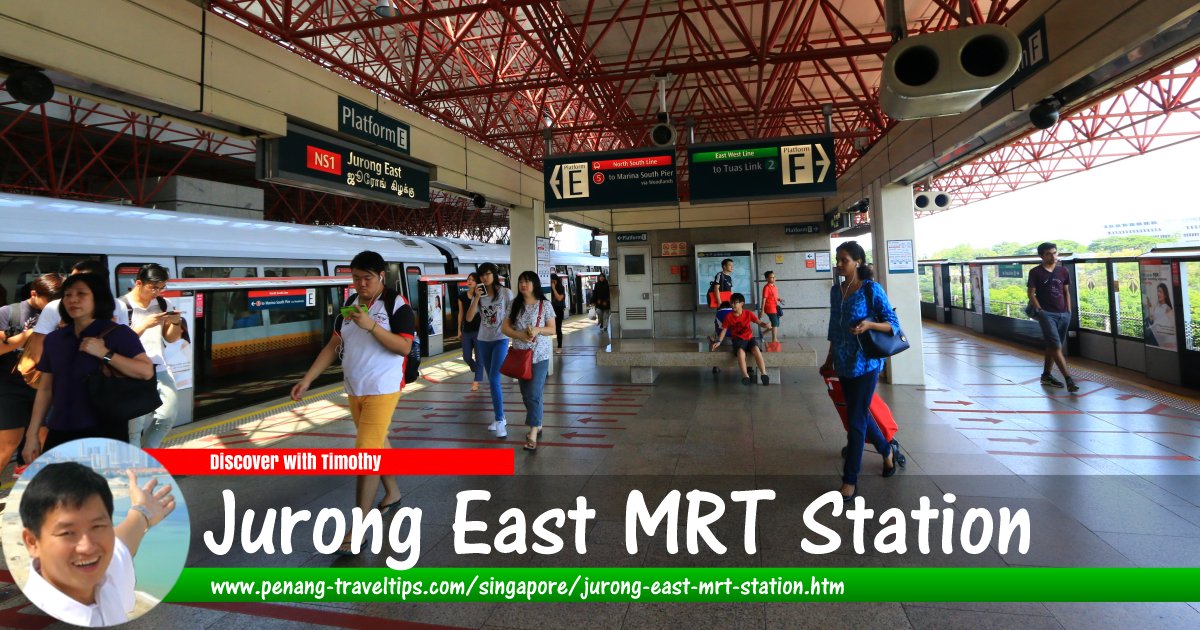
1160, 184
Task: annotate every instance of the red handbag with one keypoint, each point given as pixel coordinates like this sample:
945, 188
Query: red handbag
519, 362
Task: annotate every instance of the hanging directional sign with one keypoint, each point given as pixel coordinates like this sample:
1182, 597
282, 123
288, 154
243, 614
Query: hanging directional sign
802, 166
638, 177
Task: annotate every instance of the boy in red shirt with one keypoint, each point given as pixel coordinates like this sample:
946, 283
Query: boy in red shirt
737, 324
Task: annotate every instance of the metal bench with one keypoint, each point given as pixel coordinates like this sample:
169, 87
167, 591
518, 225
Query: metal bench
644, 357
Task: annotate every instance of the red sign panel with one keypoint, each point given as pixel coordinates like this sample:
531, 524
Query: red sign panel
276, 292
324, 161
633, 162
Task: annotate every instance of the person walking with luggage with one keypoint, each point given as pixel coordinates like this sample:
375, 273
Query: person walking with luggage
157, 323
491, 302
87, 342
374, 336
528, 324
850, 315
468, 331
1048, 287
601, 298
558, 298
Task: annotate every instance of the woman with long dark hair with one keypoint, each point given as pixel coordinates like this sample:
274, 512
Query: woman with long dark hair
601, 297
75, 351
529, 323
468, 331
16, 327
851, 313
490, 302
558, 298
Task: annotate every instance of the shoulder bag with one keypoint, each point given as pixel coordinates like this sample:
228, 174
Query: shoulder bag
876, 344
115, 398
519, 362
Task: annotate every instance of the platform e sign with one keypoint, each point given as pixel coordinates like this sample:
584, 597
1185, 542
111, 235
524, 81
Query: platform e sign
569, 181
800, 164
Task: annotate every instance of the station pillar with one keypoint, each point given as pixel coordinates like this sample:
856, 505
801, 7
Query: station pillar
893, 238
525, 223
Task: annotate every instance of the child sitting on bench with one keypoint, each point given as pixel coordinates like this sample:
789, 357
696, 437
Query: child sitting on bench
737, 323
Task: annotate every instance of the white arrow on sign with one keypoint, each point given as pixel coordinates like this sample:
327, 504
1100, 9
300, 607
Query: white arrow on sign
823, 161
556, 181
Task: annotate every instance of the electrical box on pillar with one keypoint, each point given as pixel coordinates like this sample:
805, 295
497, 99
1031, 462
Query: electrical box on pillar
948, 72
931, 201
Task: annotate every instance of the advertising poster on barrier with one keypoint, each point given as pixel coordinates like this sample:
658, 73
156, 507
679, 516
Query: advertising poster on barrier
977, 287
434, 299
178, 354
1158, 310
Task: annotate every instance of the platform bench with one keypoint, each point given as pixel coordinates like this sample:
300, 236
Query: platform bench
644, 361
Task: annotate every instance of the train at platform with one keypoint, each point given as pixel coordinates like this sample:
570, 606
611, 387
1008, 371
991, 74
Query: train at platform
257, 297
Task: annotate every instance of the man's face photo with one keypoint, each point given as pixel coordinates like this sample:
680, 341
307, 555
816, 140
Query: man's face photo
74, 547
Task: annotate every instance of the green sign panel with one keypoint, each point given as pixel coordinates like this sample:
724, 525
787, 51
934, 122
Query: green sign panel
802, 166
1012, 270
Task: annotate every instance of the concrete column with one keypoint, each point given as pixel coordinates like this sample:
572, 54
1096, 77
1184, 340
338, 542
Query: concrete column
892, 220
524, 225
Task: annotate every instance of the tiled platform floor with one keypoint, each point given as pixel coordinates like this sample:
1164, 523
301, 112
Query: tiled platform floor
1114, 474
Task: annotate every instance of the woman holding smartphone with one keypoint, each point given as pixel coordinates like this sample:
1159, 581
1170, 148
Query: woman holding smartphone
468, 330
490, 303
157, 323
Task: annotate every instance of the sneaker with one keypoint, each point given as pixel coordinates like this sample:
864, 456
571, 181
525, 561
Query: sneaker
766, 380
1049, 381
746, 380
1071, 386
502, 431
19, 469
493, 426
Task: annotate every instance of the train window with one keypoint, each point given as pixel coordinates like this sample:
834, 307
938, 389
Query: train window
1128, 276
126, 275
1091, 285
290, 272
412, 276
219, 272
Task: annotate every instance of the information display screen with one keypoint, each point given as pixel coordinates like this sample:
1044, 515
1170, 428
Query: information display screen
708, 265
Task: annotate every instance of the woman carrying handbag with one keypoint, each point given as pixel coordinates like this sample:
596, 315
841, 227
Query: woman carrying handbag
856, 308
530, 324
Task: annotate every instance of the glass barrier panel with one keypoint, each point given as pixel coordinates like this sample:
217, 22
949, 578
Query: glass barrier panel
956, 286
1129, 299
925, 283
1190, 273
1007, 295
1091, 283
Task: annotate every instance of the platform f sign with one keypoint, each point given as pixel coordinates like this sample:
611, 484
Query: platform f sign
799, 162
569, 181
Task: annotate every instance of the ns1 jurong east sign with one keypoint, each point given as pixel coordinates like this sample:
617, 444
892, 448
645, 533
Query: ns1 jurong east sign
309, 159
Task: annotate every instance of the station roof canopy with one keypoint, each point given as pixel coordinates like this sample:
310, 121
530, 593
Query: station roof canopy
501, 72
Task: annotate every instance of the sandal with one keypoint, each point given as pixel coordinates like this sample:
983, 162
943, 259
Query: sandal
345, 549
530, 445
475, 386
386, 510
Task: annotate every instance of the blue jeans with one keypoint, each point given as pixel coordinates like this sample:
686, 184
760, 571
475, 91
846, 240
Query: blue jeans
531, 393
470, 346
491, 356
150, 430
859, 391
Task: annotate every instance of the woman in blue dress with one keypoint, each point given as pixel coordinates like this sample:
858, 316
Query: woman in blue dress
850, 315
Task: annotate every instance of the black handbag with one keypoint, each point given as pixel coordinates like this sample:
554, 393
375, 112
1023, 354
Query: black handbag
880, 345
115, 398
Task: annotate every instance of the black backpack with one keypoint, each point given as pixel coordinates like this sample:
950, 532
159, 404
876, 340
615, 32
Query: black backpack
412, 363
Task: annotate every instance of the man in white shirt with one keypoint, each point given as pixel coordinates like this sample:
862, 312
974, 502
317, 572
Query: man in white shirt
82, 565
157, 323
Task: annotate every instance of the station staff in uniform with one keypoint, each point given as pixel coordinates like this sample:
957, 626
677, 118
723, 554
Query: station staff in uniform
374, 342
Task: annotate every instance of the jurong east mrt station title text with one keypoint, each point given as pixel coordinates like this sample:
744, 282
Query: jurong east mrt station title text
516, 533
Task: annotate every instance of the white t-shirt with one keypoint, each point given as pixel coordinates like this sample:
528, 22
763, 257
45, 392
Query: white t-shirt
114, 597
529, 318
492, 312
50, 319
152, 338
369, 368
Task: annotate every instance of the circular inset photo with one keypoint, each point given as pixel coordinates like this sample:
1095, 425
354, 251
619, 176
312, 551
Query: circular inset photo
95, 532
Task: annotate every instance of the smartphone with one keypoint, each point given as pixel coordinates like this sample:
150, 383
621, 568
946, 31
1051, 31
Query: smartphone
347, 311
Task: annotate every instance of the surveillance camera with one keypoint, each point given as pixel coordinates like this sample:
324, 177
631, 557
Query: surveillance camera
1044, 115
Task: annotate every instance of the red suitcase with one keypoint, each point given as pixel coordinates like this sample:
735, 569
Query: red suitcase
879, 412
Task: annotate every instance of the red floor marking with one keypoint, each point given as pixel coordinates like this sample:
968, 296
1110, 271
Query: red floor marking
574, 434
1022, 440
497, 442
991, 420
478, 422
321, 616
628, 388
1174, 458
1056, 396
953, 402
